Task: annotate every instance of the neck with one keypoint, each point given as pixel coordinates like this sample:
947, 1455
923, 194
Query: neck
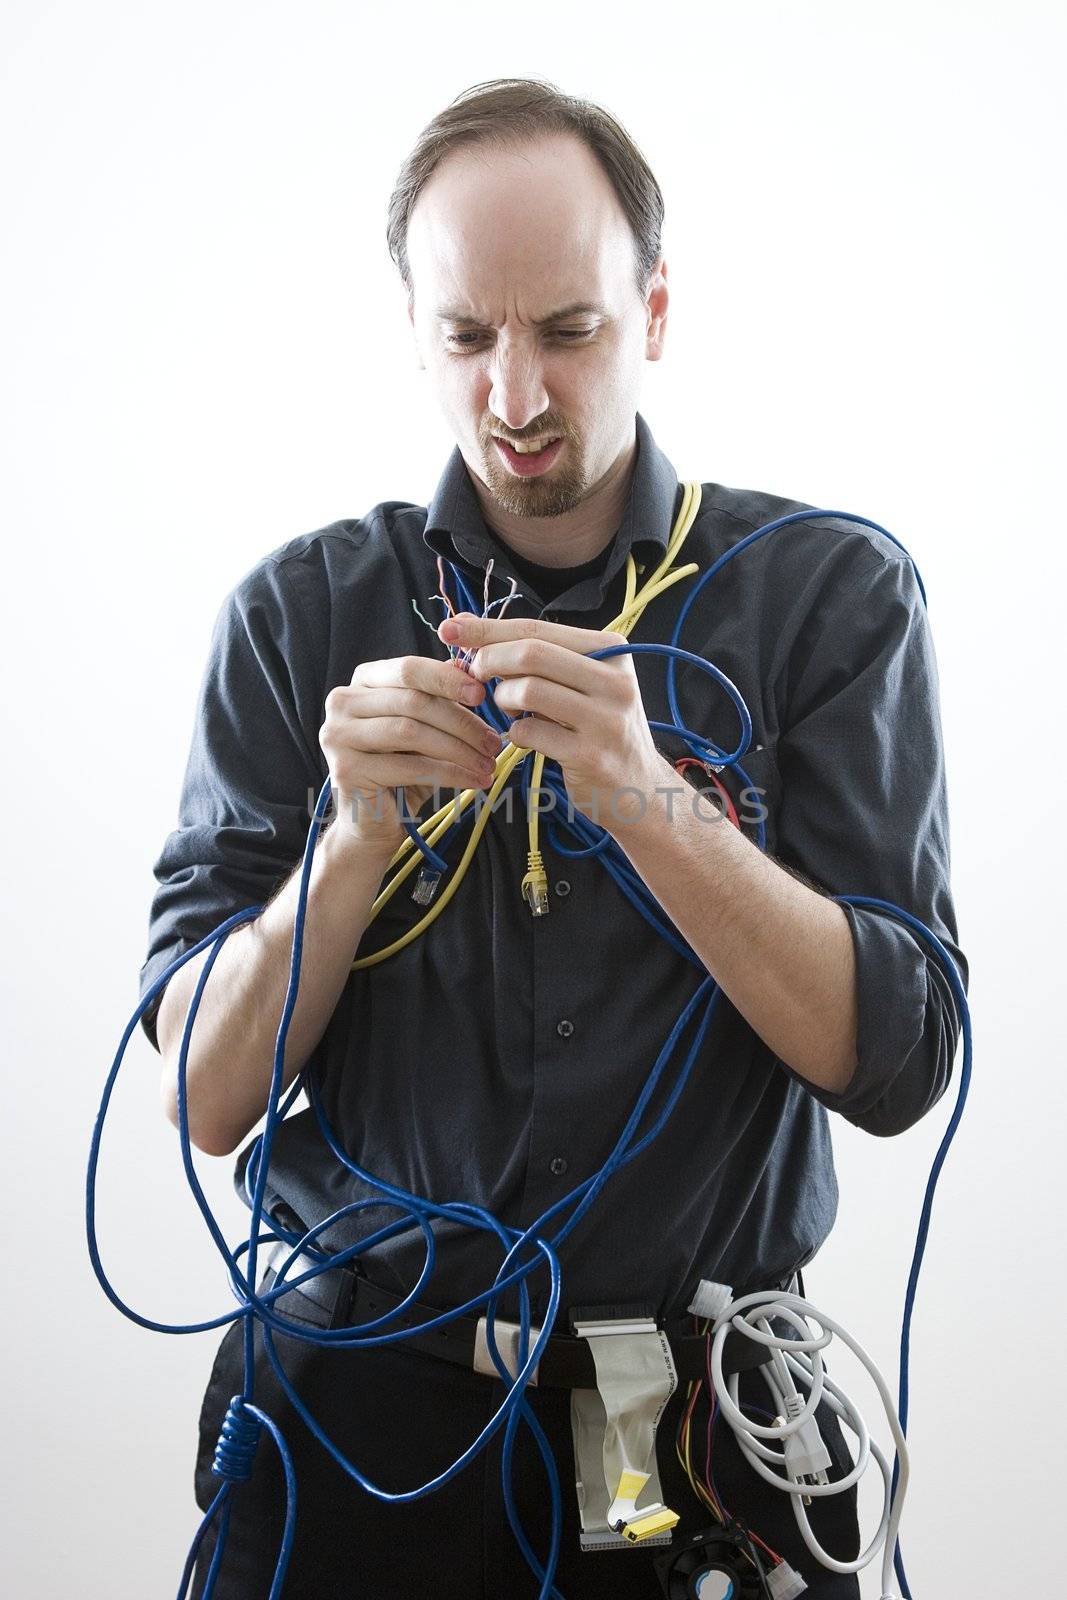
575, 536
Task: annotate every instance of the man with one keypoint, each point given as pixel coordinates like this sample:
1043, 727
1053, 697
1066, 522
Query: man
495, 1059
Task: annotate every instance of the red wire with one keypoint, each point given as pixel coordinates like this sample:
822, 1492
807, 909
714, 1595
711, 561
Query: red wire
691, 761
441, 586
713, 1401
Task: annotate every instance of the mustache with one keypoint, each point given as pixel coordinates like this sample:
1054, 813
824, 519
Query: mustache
539, 430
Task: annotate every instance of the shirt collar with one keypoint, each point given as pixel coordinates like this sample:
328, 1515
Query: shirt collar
455, 527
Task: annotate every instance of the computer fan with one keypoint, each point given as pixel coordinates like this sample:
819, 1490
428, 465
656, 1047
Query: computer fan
714, 1564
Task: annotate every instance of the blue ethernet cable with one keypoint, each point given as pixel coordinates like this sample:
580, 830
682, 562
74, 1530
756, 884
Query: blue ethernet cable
744, 544
589, 1190
418, 1211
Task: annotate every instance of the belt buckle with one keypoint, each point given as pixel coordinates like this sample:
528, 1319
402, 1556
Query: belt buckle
507, 1340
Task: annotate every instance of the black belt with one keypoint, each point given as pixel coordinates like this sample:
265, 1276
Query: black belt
343, 1298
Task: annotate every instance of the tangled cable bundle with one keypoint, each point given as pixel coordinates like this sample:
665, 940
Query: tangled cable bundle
536, 1248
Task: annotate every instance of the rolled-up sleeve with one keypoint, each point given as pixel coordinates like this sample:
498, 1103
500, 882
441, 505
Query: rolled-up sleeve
864, 812
253, 760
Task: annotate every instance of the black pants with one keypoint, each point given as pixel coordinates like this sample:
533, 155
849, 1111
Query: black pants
403, 1417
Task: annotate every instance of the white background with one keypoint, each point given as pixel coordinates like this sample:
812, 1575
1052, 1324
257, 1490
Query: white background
205, 354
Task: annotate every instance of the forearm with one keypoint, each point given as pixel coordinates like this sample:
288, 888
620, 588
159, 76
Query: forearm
231, 1049
780, 951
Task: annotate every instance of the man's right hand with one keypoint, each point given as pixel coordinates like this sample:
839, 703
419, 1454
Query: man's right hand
403, 722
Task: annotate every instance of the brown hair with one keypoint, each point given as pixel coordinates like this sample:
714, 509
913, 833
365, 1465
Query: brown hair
509, 110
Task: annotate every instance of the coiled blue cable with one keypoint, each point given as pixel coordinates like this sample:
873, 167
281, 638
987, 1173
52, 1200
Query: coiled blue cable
418, 1212
744, 544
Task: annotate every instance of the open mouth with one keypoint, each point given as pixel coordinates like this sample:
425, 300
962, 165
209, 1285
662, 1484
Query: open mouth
534, 456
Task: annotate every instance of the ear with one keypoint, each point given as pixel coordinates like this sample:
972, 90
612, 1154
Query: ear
656, 310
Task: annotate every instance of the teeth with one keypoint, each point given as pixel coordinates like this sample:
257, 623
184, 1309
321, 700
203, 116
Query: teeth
530, 446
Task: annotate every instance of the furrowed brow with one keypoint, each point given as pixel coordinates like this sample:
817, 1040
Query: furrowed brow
579, 308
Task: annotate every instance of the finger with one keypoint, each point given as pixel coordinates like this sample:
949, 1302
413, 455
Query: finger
415, 705
390, 771
555, 702
419, 672
554, 742
401, 735
470, 631
540, 658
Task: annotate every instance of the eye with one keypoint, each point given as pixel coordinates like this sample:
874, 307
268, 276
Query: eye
469, 339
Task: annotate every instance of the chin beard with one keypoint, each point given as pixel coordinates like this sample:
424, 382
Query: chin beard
551, 496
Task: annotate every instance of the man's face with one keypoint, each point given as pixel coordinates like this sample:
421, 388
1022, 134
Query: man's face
527, 317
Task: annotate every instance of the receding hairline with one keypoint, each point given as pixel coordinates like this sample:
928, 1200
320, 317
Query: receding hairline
520, 115
515, 142
455, 317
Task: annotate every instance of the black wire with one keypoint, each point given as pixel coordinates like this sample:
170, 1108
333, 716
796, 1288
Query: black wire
756, 1562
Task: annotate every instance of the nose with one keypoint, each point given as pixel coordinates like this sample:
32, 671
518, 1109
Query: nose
518, 394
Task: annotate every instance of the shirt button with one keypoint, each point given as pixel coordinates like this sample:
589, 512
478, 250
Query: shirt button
563, 888
557, 1166
564, 1028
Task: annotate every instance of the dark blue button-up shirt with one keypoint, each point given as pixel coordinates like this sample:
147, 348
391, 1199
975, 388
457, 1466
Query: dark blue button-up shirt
495, 1059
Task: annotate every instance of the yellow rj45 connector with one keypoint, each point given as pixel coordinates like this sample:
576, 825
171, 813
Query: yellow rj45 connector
535, 884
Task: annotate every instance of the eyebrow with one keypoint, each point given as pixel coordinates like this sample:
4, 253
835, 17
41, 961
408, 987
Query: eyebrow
580, 308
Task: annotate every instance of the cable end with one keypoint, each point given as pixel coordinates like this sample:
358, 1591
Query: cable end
806, 1455
710, 1300
634, 1525
425, 886
783, 1582
657, 1519
535, 885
